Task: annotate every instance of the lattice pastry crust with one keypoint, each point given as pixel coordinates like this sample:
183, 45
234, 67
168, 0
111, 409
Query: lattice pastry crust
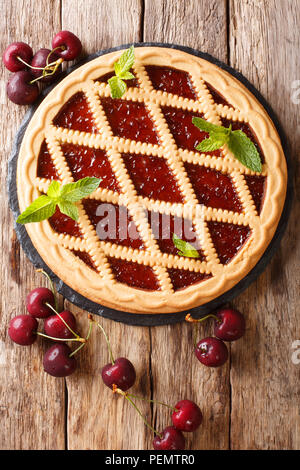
99, 284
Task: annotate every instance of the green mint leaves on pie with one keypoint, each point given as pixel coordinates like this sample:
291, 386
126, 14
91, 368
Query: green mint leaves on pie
64, 196
237, 141
122, 66
184, 248
42, 208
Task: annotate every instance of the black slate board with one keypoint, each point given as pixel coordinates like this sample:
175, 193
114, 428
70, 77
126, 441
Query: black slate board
145, 319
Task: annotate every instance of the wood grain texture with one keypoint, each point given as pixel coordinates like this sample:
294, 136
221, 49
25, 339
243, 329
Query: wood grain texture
32, 403
252, 402
193, 23
264, 46
176, 372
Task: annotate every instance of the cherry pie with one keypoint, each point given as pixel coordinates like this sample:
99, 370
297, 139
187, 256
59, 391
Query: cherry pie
153, 182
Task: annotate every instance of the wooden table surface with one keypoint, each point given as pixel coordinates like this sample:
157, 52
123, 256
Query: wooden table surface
253, 401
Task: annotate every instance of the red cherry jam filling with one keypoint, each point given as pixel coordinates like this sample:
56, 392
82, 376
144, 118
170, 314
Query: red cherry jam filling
186, 135
182, 278
45, 165
113, 223
86, 161
257, 187
171, 80
134, 274
164, 225
228, 239
152, 177
130, 120
61, 223
218, 99
76, 114
213, 188
85, 257
133, 83
237, 125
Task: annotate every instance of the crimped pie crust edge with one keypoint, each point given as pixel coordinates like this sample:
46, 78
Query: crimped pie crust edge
103, 289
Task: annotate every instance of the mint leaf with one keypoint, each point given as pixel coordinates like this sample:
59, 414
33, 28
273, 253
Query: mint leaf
54, 189
73, 192
207, 126
125, 62
69, 209
40, 209
126, 76
238, 143
62, 195
117, 87
212, 143
244, 150
184, 248
122, 67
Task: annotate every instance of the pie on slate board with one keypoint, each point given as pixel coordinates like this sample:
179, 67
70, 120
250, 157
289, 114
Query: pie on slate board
154, 182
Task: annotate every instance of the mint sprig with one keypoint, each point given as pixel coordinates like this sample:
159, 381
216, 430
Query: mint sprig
184, 248
237, 141
122, 66
64, 196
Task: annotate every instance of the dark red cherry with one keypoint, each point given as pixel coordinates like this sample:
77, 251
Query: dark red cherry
19, 89
55, 327
36, 302
22, 329
188, 416
11, 54
211, 352
172, 439
57, 361
40, 60
69, 43
121, 373
231, 325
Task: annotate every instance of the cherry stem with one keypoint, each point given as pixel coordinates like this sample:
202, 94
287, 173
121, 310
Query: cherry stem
142, 416
196, 322
45, 70
86, 338
126, 395
50, 66
107, 342
37, 68
76, 350
53, 50
81, 340
90, 327
152, 401
190, 319
51, 285
65, 323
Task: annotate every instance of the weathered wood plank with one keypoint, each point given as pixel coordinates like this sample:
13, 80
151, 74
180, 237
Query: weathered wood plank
193, 23
176, 372
264, 46
31, 402
96, 418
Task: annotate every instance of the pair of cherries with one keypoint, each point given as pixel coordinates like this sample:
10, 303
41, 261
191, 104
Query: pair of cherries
44, 65
229, 326
186, 417
120, 375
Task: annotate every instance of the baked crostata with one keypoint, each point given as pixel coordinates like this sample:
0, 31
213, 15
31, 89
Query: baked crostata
177, 219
